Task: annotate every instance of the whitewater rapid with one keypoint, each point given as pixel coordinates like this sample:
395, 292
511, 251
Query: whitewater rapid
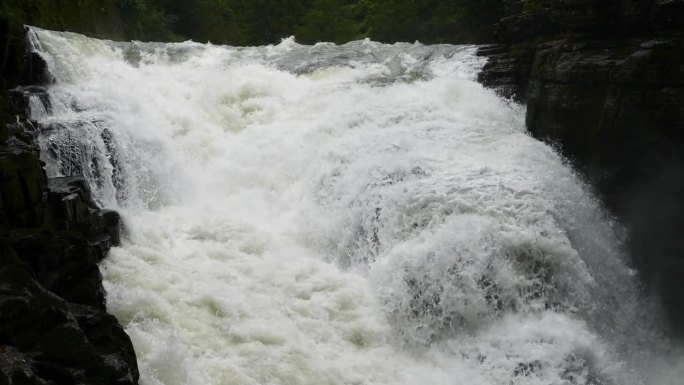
357, 214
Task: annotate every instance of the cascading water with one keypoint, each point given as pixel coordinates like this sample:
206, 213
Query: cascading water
355, 214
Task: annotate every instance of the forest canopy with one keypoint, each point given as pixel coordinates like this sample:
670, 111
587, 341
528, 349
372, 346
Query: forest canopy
257, 22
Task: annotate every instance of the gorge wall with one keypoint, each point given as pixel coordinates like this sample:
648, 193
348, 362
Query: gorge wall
54, 327
604, 81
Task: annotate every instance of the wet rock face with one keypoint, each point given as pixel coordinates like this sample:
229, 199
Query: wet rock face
616, 109
532, 24
607, 101
604, 82
71, 207
54, 328
22, 179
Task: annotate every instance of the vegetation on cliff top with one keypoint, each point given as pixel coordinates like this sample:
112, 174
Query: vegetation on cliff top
255, 22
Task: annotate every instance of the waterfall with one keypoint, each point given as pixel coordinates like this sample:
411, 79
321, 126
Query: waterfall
340, 214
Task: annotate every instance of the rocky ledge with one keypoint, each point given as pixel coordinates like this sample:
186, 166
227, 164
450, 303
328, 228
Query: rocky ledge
54, 327
603, 81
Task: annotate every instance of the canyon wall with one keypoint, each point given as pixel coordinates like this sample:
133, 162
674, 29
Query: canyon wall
54, 327
604, 82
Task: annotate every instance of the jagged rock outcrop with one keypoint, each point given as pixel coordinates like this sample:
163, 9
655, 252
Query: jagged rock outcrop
604, 81
23, 184
530, 23
54, 328
71, 208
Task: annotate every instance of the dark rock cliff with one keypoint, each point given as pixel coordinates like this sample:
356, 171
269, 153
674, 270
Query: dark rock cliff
603, 80
54, 327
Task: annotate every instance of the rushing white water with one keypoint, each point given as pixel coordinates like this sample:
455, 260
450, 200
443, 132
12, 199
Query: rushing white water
356, 214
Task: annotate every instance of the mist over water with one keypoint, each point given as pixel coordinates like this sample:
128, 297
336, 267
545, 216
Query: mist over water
355, 214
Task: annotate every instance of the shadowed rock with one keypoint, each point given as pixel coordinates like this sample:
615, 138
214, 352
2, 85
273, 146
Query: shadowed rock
54, 328
604, 82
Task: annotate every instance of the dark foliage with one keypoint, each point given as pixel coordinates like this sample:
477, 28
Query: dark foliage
257, 22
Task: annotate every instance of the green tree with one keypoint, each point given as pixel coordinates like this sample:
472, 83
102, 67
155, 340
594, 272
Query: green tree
391, 20
146, 20
336, 21
256, 22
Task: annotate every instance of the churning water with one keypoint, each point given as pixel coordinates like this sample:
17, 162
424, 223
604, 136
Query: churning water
357, 214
